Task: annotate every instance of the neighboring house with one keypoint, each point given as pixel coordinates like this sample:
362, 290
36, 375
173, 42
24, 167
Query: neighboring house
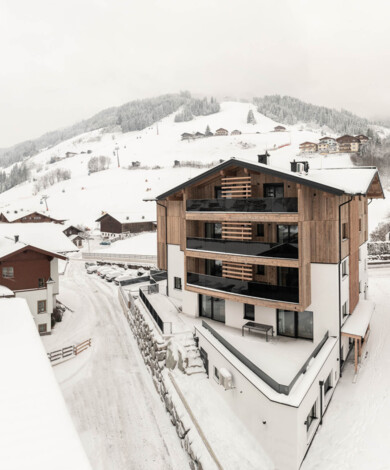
246, 242
236, 132
363, 138
14, 217
118, 223
70, 154
279, 129
348, 144
308, 147
31, 273
78, 240
221, 131
328, 145
187, 136
199, 135
72, 230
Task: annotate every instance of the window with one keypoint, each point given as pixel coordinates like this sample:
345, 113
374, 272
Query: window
274, 190
177, 283
360, 225
260, 270
360, 254
218, 192
213, 230
344, 231
42, 328
8, 272
311, 416
41, 282
344, 309
260, 230
328, 384
344, 268
295, 324
287, 233
249, 312
216, 374
41, 306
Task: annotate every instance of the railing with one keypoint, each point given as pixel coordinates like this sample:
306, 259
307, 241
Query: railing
265, 204
165, 327
247, 288
152, 259
248, 248
69, 351
280, 388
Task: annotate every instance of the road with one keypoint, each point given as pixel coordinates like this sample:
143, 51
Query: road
118, 414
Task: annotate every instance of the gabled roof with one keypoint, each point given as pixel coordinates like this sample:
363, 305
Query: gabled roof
16, 215
347, 139
328, 138
307, 143
126, 217
72, 226
8, 248
339, 181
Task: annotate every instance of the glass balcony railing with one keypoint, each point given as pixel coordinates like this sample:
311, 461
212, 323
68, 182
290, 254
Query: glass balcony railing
248, 248
247, 288
265, 204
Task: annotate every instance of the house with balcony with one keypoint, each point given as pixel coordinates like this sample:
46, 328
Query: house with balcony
308, 147
328, 145
348, 144
271, 265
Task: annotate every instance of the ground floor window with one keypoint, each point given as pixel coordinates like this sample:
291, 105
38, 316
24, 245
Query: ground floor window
212, 307
42, 328
205, 359
328, 384
249, 312
216, 374
41, 306
177, 283
311, 416
295, 324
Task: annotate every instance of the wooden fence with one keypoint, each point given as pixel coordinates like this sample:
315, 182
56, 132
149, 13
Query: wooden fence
69, 351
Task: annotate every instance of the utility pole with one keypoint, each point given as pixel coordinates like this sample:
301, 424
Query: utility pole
117, 154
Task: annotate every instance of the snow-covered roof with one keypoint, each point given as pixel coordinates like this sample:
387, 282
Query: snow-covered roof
18, 214
350, 181
47, 237
5, 292
128, 217
357, 323
36, 430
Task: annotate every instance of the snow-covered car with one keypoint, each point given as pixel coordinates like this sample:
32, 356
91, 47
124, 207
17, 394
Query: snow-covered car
102, 271
92, 269
123, 277
113, 274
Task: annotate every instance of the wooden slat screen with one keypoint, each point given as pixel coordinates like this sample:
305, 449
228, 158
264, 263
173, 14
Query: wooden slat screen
243, 272
236, 231
236, 187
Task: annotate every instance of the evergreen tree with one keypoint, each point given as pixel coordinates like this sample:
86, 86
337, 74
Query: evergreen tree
207, 131
251, 118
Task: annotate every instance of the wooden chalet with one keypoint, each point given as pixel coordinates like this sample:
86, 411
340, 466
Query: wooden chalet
187, 136
221, 131
236, 132
112, 224
33, 217
279, 129
348, 144
72, 230
308, 147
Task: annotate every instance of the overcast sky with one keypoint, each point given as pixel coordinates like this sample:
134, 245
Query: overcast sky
62, 61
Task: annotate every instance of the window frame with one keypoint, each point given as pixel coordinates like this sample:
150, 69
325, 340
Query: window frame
328, 385
177, 282
41, 283
261, 234
312, 416
344, 269
44, 326
216, 375
4, 269
345, 231
296, 324
45, 305
252, 308
268, 186
260, 269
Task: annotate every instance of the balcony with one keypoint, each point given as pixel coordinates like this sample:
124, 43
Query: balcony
246, 288
265, 204
247, 248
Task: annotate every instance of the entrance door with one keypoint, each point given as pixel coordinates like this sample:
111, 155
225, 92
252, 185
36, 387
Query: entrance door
211, 307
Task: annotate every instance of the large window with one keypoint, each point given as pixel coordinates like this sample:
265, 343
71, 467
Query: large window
295, 324
8, 272
249, 312
41, 306
287, 277
311, 416
274, 190
287, 233
213, 267
211, 307
213, 230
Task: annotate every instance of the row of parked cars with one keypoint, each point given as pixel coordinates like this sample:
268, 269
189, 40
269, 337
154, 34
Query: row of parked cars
114, 273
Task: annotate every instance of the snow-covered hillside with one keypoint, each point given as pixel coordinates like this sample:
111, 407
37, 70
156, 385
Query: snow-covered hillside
82, 198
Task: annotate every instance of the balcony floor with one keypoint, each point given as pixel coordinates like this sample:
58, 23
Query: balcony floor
281, 357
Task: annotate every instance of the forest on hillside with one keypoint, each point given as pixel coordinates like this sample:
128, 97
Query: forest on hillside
376, 153
289, 110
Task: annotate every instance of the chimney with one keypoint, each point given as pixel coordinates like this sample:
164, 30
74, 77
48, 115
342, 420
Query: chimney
16, 238
299, 167
263, 158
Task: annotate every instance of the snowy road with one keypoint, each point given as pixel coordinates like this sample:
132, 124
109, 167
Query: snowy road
356, 428
116, 410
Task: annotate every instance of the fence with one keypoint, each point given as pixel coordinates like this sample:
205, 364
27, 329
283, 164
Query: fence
151, 259
69, 351
165, 327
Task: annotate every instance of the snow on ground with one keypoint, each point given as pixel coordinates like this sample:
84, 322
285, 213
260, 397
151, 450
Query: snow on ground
36, 431
111, 398
355, 430
141, 244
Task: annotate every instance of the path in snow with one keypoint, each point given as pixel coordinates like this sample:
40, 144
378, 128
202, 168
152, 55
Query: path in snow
356, 428
115, 408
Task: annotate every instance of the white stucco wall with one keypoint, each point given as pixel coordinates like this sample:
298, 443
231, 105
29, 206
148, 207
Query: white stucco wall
175, 269
32, 297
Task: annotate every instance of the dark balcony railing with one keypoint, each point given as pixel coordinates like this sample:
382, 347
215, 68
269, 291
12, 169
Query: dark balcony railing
247, 288
264, 204
268, 250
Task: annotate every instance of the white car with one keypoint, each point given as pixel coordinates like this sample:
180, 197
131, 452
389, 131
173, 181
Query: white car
124, 277
92, 269
104, 270
110, 276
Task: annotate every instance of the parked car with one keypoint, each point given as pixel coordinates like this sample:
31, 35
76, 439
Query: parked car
123, 277
89, 264
113, 274
92, 269
103, 270
105, 242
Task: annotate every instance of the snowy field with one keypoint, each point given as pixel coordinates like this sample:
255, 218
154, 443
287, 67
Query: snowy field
355, 431
142, 244
108, 391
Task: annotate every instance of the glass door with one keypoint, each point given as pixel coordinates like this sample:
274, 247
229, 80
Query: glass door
213, 308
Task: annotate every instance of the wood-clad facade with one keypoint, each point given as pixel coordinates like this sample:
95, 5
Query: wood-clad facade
109, 224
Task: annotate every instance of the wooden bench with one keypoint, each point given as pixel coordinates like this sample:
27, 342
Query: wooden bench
251, 325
